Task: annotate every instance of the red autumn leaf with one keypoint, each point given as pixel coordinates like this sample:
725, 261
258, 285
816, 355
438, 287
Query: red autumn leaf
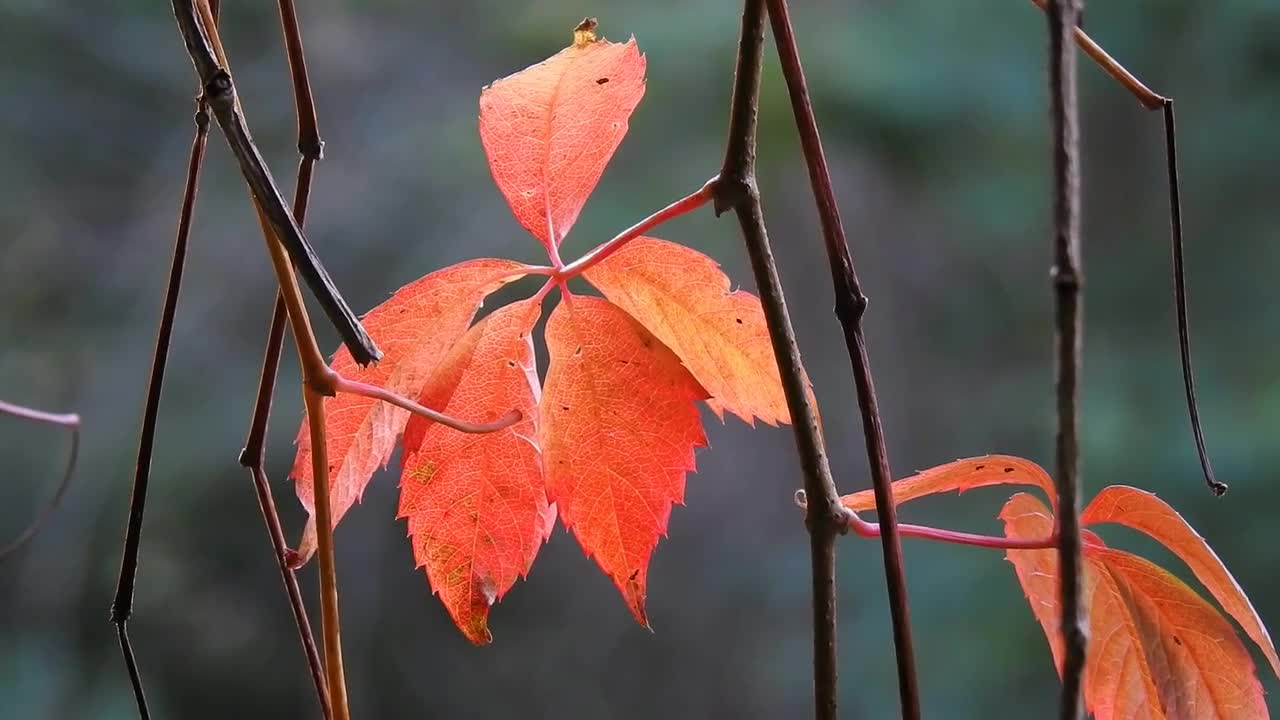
960, 475
476, 505
550, 129
618, 430
1149, 514
682, 297
415, 329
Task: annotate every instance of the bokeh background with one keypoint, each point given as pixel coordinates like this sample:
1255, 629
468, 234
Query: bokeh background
935, 121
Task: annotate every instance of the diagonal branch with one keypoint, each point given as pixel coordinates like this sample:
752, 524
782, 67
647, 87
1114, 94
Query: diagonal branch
221, 95
122, 605
851, 305
1067, 276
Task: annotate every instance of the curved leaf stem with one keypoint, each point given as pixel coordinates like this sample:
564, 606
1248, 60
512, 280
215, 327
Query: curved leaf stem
342, 384
70, 421
1152, 100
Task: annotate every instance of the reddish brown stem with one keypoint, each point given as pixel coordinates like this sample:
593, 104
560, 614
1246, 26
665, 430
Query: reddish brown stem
851, 305
378, 393
684, 205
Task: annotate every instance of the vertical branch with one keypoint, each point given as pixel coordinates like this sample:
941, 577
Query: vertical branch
329, 626
253, 456
122, 604
1067, 275
825, 518
851, 305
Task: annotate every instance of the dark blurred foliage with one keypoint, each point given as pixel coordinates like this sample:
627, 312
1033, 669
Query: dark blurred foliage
935, 119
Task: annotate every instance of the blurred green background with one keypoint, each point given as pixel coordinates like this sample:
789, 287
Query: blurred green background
935, 121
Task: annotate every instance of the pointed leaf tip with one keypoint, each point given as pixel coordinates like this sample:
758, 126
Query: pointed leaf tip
619, 429
476, 504
550, 129
682, 297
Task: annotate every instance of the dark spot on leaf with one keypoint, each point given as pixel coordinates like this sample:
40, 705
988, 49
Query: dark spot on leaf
738, 320
578, 351
1177, 640
602, 81
625, 362
564, 407
634, 573
511, 363
1008, 470
980, 467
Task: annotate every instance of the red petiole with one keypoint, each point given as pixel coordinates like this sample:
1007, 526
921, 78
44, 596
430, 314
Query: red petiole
868, 529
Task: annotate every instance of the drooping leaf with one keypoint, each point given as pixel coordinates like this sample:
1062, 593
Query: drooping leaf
1157, 649
415, 328
550, 129
476, 504
1201, 669
1025, 516
619, 426
1149, 514
961, 475
682, 297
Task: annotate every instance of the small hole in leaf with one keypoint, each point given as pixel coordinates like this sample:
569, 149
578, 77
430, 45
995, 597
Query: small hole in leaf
635, 573
602, 81
511, 363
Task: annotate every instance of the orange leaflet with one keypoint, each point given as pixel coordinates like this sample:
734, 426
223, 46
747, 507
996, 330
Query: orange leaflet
1149, 514
682, 297
1201, 668
618, 430
550, 129
1157, 650
961, 475
415, 329
476, 504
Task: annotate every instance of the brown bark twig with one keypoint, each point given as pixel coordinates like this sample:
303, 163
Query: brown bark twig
1067, 279
736, 189
70, 421
851, 305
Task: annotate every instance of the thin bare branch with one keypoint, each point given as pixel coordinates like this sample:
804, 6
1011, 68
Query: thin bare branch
851, 305
736, 189
122, 605
70, 421
1067, 276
